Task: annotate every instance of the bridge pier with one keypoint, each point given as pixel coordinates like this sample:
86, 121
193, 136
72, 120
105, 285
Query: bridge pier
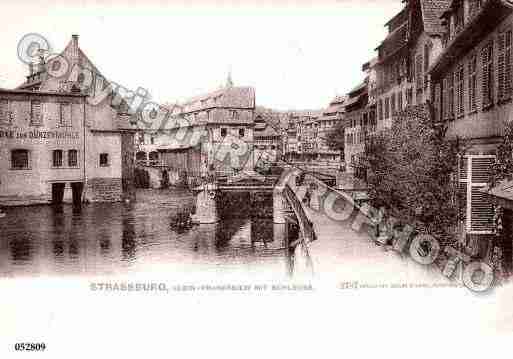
206, 207
315, 200
280, 207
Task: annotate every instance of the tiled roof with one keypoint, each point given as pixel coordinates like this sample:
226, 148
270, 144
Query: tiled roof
276, 119
338, 99
73, 55
358, 88
335, 108
353, 100
432, 11
268, 131
394, 41
234, 97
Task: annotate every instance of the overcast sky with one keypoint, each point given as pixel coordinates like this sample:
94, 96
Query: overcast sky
297, 55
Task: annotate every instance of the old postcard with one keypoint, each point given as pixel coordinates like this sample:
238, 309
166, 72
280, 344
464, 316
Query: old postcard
235, 179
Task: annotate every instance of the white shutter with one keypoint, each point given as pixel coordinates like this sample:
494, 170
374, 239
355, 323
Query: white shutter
479, 208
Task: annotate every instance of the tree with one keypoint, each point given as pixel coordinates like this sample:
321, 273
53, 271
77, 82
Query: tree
410, 172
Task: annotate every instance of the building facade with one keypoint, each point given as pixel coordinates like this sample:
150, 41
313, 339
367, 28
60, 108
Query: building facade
472, 79
60, 140
268, 136
42, 153
360, 122
306, 136
413, 42
331, 118
212, 132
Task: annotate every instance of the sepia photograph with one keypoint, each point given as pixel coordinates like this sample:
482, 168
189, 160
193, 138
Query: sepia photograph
243, 178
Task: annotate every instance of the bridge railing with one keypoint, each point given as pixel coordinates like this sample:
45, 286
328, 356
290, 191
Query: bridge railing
305, 225
150, 163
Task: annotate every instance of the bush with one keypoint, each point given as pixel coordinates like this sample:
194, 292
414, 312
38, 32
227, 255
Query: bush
410, 170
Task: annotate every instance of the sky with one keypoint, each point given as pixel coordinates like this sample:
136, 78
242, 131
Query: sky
296, 54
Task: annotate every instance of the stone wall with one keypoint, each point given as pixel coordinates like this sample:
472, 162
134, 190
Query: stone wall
104, 189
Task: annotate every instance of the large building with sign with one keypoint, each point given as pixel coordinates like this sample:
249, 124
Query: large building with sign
42, 152
57, 144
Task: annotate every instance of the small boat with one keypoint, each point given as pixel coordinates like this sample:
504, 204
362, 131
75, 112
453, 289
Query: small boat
2, 214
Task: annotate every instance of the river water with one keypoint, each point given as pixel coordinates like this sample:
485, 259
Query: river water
118, 239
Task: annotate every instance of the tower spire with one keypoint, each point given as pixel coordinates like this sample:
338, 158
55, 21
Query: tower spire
229, 81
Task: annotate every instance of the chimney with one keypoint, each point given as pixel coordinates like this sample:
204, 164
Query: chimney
31, 68
74, 49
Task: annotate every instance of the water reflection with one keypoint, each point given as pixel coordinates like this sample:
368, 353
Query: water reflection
100, 239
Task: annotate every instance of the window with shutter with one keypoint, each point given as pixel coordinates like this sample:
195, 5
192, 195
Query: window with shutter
487, 75
5, 115
427, 50
380, 110
419, 76
460, 108
35, 113
501, 45
400, 101
472, 84
65, 114
445, 99
507, 64
504, 66
392, 104
450, 96
474, 177
387, 107
437, 101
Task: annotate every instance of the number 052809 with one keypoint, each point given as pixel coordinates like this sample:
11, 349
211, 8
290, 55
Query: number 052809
30, 347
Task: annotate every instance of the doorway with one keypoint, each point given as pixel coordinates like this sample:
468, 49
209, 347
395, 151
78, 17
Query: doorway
58, 193
165, 179
76, 189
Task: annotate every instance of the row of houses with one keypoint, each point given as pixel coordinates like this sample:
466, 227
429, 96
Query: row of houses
56, 144
230, 114
305, 135
456, 56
